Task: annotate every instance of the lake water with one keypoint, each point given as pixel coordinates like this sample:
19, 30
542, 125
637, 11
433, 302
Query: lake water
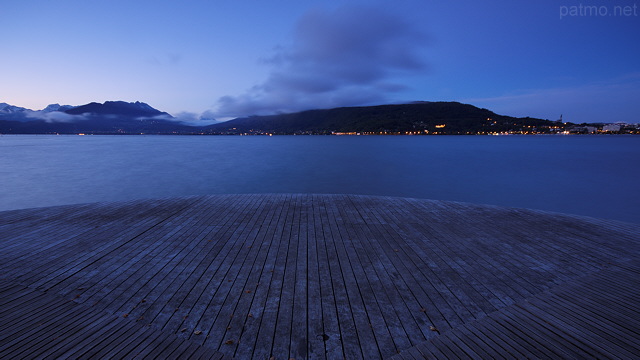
587, 175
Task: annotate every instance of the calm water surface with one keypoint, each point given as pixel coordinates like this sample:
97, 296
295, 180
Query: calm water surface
587, 175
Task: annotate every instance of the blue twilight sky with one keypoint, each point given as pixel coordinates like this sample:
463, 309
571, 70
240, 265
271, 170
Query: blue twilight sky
228, 58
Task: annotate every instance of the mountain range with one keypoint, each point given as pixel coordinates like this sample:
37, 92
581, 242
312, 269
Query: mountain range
120, 108
119, 117
111, 117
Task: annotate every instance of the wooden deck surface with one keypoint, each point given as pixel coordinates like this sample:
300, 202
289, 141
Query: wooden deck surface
315, 277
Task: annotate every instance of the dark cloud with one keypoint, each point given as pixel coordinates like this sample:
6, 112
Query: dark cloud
165, 59
338, 58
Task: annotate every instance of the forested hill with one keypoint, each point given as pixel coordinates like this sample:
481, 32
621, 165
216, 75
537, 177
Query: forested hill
119, 117
419, 117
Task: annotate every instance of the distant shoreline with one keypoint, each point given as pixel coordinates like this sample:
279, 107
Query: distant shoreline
321, 134
424, 118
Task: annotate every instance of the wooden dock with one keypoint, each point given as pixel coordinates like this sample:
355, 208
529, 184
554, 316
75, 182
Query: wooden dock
287, 276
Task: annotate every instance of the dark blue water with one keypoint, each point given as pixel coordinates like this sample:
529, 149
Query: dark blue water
588, 175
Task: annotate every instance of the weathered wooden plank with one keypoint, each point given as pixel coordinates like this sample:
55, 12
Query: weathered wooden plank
173, 314
315, 276
521, 337
79, 336
15, 298
570, 236
473, 295
298, 348
249, 284
526, 248
206, 311
589, 331
263, 347
150, 280
129, 345
357, 307
381, 286
601, 308
482, 242
374, 316
408, 291
135, 250
65, 334
488, 331
482, 289
461, 347
444, 302
543, 335
412, 353
470, 246
429, 278
177, 350
65, 327
383, 273
484, 347
49, 312
425, 352
550, 316
160, 346
331, 328
590, 327
192, 289
443, 351
68, 249
48, 332
605, 319
346, 324
164, 280
152, 346
232, 305
109, 325
158, 305
284, 321
316, 334
109, 344
203, 353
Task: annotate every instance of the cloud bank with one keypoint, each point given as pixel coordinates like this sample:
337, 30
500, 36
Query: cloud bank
53, 116
195, 119
344, 57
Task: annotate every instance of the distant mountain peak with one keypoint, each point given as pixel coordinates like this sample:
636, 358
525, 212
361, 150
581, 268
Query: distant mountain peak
121, 108
11, 109
57, 107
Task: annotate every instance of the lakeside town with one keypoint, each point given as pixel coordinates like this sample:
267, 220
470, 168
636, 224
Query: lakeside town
561, 129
